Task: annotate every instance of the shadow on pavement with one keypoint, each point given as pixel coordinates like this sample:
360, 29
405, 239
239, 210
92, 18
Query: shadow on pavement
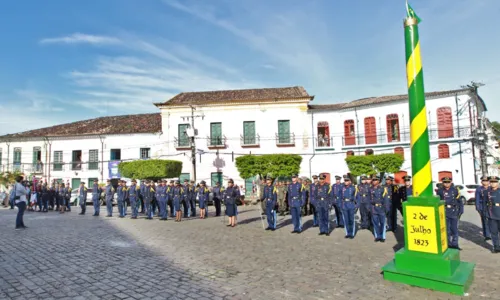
400, 239
472, 233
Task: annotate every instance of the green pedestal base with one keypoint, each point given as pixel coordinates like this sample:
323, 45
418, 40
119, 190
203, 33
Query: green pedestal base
444, 273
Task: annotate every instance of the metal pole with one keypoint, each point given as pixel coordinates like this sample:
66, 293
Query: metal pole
459, 142
193, 145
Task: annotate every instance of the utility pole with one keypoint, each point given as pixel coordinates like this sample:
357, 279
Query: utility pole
192, 133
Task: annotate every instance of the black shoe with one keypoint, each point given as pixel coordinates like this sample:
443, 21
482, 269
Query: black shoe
273, 229
382, 240
299, 232
80, 214
351, 237
327, 234
376, 240
495, 250
268, 228
321, 233
25, 227
295, 231
346, 237
19, 228
109, 216
487, 238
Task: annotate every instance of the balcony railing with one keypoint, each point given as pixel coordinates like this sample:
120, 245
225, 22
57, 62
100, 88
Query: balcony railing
76, 165
324, 142
35, 169
250, 141
182, 143
403, 137
216, 142
287, 139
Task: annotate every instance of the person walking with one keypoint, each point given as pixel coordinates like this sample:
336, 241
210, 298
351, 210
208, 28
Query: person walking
19, 199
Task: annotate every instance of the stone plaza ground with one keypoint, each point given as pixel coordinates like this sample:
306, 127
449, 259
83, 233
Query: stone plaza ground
84, 257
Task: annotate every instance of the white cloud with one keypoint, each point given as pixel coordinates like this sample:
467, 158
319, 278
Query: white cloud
80, 38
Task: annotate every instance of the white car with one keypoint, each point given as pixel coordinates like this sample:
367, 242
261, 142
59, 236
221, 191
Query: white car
468, 193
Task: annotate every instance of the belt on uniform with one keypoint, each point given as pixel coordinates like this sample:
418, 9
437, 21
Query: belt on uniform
451, 206
294, 198
364, 195
322, 199
378, 205
347, 200
493, 204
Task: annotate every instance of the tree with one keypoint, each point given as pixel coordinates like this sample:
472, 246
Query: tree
152, 169
373, 164
496, 129
274, 165
7, 178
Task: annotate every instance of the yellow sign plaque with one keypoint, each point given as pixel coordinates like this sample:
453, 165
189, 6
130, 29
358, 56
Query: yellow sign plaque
444, 233
421, 229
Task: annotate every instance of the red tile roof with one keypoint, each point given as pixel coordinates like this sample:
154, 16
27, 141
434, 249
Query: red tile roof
142, 123
237, 95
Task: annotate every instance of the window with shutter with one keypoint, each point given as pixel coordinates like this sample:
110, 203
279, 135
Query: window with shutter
443, 151
392, 128
183, 139
58, 160
284, 131
323, 134
215, 134
445, 122
349, 133
93, 159
370, 131
249, 133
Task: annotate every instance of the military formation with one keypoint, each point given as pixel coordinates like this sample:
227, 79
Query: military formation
378, 204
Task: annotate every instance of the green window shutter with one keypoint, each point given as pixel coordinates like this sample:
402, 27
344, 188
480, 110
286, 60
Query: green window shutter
184, 176
75, 183
93, 159
215, 133
17, 155
58, 160
91, 182
249, 133
284, 131
216, 177
182, 136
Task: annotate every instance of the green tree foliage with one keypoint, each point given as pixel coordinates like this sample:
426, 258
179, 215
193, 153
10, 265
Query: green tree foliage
496, 129
374, 164
268, 165
7, 178
152, 169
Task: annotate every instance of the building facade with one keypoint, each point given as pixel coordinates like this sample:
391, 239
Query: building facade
228, 124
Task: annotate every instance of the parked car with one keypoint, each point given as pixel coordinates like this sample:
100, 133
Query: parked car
468, 193
74, 198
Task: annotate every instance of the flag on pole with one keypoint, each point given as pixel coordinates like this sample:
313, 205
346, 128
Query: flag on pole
410, 13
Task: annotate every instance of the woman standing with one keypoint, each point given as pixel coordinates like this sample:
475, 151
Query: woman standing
230, 195
20, 201
202, 194
179, 197
61, 198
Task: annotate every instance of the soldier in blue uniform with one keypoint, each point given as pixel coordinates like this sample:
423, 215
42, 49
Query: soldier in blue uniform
110, 193
178, 195
82, 197
270, 197
45, 197
162, 197
322, 203
170, 198
312, 199
349, 206
454, 210
404, 192
149, 192
380, 204
202, 194
392, 213
96, 198
230, 196
335, 196
217, 190
364, 195
134, 192
126, 199
192, 199
493, 212
481, 206
295, 202
120, 194
186, 205
141, 198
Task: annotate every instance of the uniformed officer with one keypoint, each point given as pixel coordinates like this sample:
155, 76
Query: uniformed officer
323, 203
134, 192
110, 193
295, 201
61, 196
149, 192
45, 197
192, 199
380, 204
67, 198
178, 195
82, 197
281, 190
186, 205
481, 206
202, 193
170, 198
454, 210
306, 196
162, 197
96, 198
120, 197
269, 197
230, 195
217, 190
126, 199
364, 195
392, 214
349, 207
312, 199
141, 198
404, 192
336, 203
493, 212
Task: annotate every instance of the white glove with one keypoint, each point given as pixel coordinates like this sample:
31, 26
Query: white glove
272, 211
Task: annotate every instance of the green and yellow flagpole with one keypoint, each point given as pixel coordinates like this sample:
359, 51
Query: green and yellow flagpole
426, 260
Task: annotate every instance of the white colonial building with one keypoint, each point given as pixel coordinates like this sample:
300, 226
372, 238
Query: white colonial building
228, 124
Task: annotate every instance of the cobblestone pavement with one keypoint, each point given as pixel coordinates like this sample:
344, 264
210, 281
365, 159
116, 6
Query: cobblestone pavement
84, 257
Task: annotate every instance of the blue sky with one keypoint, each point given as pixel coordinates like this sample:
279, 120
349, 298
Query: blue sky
64, 61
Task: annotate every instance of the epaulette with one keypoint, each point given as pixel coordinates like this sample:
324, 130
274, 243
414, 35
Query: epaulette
330, 189
275, 190
182, 190
221, 189
385, 192
302, 187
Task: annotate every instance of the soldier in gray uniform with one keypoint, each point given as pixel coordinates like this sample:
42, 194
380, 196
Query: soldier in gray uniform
82, 197
110, 193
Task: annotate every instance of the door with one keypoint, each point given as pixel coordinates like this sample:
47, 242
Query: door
184, 176
444, 174
445, 122
284, 131
216, 177
398, 177
75, 183
249, 133
349, 133
215, 134
249, 183
91, 182
370, 131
